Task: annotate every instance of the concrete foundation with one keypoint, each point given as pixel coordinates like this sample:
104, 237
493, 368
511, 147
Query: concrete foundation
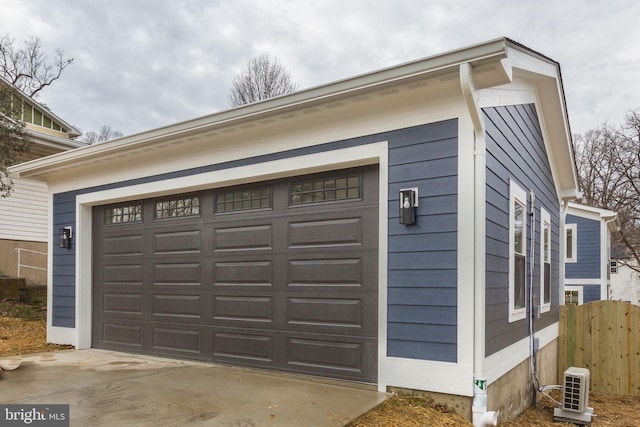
513, 392
33, 261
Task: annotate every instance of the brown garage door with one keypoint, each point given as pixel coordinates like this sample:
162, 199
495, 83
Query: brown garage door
280, 275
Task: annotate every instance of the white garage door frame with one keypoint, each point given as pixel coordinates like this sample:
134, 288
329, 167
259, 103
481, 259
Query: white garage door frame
376, 153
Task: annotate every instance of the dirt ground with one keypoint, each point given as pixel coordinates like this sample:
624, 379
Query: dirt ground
23, 331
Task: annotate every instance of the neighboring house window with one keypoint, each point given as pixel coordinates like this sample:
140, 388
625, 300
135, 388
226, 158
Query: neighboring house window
545, 265
571, 233
613, 267
572, 295
517, 252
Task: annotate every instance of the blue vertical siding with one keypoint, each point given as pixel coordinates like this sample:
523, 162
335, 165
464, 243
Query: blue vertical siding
588, 250
422, 278
516, 150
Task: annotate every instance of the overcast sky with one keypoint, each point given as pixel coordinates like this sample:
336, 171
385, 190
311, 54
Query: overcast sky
139, 65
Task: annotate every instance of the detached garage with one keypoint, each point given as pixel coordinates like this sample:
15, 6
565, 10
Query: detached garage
363, 230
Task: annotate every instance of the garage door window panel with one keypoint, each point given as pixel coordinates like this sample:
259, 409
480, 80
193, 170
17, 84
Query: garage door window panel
177, 207
123, 214
325, 190
243, 200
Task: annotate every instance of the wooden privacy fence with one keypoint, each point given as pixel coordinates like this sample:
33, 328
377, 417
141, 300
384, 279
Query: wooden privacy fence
603, 336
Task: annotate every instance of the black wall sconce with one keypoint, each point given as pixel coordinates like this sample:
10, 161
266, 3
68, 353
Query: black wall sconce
64, 237
408, 205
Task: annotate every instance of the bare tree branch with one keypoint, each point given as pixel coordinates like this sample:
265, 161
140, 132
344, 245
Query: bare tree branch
608, 161
104, 134
28, 68
14, 139
262, 78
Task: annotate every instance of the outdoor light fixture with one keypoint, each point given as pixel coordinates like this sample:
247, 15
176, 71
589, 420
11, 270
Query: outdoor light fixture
408, 205
64, 237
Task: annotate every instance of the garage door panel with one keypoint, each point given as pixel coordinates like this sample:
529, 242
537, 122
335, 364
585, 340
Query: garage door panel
326, 272
243, 273
177, 340
335, 313
122, 334
177, 307
252, 348
243, 308
177, 274
246, 238
122, 303
328, 354
123, 274
323, 233
123, 245
286, 287
177, 242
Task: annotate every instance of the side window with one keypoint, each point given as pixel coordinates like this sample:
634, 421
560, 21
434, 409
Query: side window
517, 251
572, 295
545, 264
571, 237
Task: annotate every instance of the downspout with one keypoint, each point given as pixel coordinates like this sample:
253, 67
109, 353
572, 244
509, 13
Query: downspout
481, 417
606, 262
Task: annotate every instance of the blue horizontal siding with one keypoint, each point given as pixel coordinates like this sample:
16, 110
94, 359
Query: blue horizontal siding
588, 251
515, 151
423, 306
591, 293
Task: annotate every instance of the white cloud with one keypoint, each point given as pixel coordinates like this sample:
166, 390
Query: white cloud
144, 64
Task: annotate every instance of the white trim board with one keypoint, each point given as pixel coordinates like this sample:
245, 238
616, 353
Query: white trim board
508, 358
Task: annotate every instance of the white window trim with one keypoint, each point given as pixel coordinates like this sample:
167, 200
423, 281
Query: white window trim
545, 217
516, 193
574, 242
580, 291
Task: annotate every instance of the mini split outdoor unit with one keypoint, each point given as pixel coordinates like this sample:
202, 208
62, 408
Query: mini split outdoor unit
574, 407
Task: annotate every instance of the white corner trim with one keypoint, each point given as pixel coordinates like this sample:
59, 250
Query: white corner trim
59, 335
508, 358
439, 377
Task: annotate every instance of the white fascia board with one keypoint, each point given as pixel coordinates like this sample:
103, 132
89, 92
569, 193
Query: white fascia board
590, 211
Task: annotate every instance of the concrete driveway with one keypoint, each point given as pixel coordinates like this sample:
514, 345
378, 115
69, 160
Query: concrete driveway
105, 388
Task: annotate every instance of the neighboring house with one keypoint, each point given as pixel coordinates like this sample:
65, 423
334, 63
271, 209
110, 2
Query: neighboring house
269, 235
587, 248
625, 276
24, 216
